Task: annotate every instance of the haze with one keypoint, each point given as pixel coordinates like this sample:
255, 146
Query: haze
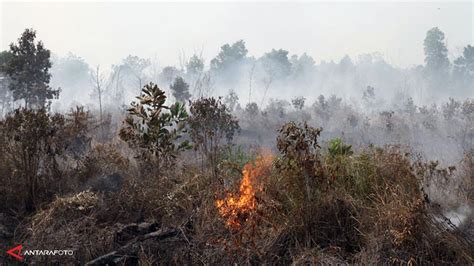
104, 33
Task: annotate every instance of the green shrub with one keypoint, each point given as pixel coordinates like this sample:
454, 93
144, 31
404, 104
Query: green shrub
337, 147
210, 125
154, 128
298, 144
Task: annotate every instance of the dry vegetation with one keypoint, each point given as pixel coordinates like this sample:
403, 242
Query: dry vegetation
142, 196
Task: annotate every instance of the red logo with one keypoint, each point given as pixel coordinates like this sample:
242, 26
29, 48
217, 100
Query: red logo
16, 252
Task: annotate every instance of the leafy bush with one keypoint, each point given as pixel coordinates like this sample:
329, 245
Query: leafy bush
180, 90
31, 140
337, 147
210, 124
299, 147
154, 128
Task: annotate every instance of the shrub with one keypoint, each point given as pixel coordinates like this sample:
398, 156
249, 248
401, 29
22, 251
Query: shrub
31, 140
337, 147
210, 124
154, 128
80, 124
298, 102
251, 109
299, 147
180, 90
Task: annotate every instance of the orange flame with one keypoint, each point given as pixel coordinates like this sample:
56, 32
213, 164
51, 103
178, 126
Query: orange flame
237, 208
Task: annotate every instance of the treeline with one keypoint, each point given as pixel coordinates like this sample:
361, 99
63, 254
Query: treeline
276, 74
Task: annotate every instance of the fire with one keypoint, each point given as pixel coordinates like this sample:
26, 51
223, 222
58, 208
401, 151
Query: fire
236, 208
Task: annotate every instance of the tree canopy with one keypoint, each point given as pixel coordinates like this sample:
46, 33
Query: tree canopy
276, 63
463, 71
28, 70
229, 55
195, 65
180, 90
436, 53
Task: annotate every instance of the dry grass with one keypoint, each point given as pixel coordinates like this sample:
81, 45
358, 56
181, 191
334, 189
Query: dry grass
383, 219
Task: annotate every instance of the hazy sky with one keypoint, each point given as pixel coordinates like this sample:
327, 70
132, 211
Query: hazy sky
105, 32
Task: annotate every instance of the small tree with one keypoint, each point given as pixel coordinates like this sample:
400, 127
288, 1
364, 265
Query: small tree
337, 147
369, 94
168, 74
276, 108
298, 102
436, 58
100, 86
133, 68
298, 144
276, 63
409, 106
195, 65
251, 109
321, 108
180, 90
229, 56
231, 100
464, 68
154, 128
30, 142
451, 109
210, 124
28, 70
276, 66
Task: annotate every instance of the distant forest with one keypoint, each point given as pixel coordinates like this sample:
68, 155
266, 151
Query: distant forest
277, 74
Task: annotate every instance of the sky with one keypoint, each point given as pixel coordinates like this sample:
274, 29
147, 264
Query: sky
103, 33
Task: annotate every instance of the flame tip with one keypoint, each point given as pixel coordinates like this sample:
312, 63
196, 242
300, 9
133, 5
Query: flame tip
237, 208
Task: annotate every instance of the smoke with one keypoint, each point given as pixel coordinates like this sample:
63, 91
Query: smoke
459, 216
364, 100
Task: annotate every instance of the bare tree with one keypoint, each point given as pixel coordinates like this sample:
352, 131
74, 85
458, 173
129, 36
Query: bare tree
194, 70
134, 70
267, 81
251, 73
118, 91
204, 85
101, 84
183, 60
155, 69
